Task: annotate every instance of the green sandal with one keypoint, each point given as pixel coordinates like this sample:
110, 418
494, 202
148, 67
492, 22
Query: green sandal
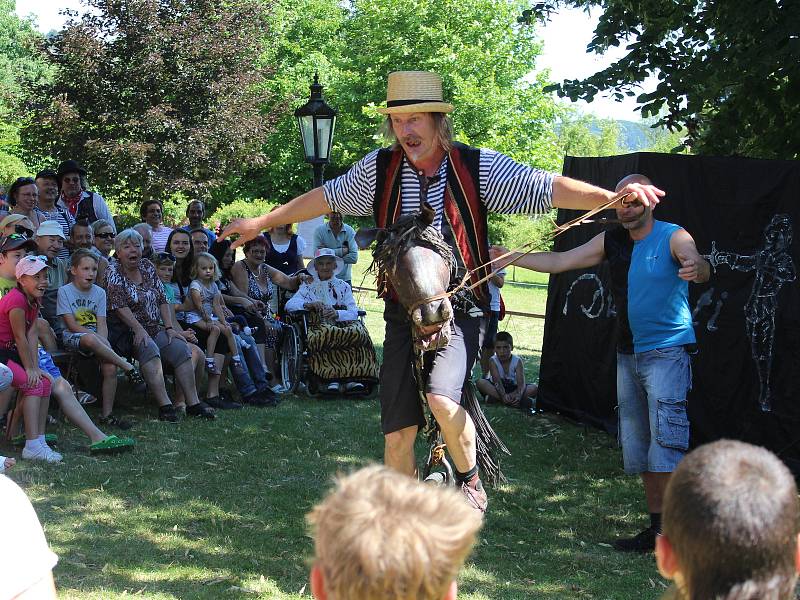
19, 440
112, 444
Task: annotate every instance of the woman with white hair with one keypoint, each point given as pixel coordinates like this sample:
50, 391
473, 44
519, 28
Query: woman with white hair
141, 326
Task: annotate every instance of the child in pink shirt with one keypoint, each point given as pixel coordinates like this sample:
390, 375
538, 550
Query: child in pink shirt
19, 346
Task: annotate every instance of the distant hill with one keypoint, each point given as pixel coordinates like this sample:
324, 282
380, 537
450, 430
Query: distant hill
633, 135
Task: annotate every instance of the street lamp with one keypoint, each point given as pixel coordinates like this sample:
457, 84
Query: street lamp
316, 120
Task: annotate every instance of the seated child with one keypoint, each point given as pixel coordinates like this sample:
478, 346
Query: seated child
506, 382
165, 267
82, 307
12, 251
208, 315
19, 344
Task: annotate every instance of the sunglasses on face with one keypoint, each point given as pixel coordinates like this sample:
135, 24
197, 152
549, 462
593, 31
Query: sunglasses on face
108, 235
23, 230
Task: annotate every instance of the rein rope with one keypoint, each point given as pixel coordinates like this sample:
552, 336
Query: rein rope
527, 247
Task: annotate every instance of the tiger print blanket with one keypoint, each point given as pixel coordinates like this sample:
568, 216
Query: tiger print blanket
341, 351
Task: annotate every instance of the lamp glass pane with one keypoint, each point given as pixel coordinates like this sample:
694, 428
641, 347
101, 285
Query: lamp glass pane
307, 133
323, 137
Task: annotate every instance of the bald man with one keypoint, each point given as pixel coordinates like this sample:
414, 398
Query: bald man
652, 263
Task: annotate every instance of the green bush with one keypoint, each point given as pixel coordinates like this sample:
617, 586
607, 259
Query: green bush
127, 212
11, 167
513, 231
240, 208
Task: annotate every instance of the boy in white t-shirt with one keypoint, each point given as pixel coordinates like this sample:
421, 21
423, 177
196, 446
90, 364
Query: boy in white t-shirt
506, 381
82, 307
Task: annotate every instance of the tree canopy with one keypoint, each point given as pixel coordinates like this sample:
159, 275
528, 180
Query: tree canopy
728, 70
20, 67
483, 54
153, 96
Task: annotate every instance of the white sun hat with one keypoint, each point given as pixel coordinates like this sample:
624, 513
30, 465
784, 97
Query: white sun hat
325, 253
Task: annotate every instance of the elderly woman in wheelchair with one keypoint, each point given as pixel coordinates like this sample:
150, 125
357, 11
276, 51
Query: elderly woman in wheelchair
340, 353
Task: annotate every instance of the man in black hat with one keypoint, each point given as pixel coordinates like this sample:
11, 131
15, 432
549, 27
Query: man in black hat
82, 204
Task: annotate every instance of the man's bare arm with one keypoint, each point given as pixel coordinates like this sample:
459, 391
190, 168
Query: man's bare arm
307, 206
587, 255
693, 266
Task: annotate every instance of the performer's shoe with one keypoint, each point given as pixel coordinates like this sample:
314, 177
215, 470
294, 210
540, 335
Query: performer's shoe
643, 542
475, 495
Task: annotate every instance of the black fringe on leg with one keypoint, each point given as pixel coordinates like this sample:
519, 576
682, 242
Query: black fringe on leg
487, 444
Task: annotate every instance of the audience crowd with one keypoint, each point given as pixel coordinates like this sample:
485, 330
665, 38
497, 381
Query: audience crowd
81, 301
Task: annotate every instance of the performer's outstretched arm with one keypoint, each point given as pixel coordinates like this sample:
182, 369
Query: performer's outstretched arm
307, 206
587, 255
572, 193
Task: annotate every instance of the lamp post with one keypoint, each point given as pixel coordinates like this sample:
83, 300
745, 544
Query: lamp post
316, 120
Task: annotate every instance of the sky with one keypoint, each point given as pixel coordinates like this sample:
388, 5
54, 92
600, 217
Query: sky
565, 38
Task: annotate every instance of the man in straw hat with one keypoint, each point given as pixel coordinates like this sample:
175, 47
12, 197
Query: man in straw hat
463, 183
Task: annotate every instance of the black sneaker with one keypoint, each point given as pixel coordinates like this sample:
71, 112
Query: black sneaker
167, 413
222, 403
112, 421
643, 542
201, 409
214, 401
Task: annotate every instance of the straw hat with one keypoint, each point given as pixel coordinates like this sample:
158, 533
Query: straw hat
414, 91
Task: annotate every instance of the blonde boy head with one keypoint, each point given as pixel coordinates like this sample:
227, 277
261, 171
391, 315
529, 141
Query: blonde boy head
380, 535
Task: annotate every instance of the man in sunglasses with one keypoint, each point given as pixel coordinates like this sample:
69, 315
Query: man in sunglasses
82, 204
651, 263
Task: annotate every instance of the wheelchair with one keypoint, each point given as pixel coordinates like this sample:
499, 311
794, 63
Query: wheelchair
293, 359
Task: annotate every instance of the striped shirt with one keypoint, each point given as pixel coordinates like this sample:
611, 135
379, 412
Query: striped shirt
505, 186
64, 219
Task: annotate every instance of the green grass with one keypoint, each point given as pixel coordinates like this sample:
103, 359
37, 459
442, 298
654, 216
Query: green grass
216, 510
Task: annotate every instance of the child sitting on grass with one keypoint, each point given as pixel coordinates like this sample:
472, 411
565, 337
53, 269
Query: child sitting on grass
208, 314
506, 381
82, 307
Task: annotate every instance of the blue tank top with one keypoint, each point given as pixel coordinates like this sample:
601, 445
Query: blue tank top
658, 300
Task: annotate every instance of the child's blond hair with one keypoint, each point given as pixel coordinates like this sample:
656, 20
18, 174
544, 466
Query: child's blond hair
210, 258
380, 535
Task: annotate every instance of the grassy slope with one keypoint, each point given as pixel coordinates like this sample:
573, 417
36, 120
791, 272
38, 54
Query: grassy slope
215, 510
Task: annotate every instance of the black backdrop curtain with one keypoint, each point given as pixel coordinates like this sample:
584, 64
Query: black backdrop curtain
747, 317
